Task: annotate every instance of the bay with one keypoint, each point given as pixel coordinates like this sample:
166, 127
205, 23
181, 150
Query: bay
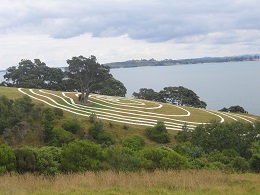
218, 84
2, 73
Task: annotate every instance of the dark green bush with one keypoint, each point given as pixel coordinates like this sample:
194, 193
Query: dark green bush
240, 164
26, 159
7, 159
72, 125
81, 155
97, 134
158, 133
162, 158
122, 159
255, 163
59, 137
48, 160
188, 150
222, 136
58, 112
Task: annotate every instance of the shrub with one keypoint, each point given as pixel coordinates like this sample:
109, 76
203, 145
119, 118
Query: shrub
92, 117
7, 159
158, 133
95, 130
106, 138
123, 159
58, 112
221, 136
72, 125
184, 135
59, 136
26, 159
135, 142
99, 135
125, 127
48, 160
255, 163
81, 155
200, 163
162, 158
240, 164
188, 150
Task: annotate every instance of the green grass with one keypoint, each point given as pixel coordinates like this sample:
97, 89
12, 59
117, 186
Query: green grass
122, 111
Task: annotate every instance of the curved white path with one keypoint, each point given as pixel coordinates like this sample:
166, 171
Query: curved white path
111, 109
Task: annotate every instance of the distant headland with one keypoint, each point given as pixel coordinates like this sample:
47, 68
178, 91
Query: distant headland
170, 62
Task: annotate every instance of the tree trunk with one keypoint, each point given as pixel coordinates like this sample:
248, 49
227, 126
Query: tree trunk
87, 95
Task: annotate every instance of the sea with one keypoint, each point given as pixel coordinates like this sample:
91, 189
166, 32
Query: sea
218, 84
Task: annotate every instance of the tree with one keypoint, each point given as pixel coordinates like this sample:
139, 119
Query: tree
181, 96
111, 87
184, 135
173, 95
88, 73
235, 109
146, 94
35, 75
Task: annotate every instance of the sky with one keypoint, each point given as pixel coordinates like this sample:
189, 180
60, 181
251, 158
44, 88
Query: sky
120, 30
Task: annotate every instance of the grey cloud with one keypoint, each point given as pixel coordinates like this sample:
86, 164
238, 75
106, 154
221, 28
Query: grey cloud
152, 21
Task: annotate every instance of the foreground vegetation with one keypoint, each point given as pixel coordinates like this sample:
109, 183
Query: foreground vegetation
44, 150
109, 182
62, 145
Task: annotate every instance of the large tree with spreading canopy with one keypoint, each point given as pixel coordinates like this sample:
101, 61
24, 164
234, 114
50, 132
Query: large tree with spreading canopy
91, 76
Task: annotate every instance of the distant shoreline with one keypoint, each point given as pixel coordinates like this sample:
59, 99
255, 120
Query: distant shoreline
170, 62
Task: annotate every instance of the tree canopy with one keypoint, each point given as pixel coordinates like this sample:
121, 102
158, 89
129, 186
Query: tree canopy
234, 109
34, 75
173, 95
84, 74
93, 77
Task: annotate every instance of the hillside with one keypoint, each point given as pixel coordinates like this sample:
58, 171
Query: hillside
49, 132
128, 111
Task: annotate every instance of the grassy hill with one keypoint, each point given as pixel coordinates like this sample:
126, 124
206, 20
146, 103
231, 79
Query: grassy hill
123, 117
131, 112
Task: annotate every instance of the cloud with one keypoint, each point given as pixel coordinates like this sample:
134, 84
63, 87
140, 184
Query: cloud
152, 21
118, 30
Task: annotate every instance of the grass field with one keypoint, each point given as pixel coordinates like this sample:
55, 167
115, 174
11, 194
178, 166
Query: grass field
126, 110
108, 182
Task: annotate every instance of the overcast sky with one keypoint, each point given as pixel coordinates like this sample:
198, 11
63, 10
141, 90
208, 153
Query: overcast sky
120, 30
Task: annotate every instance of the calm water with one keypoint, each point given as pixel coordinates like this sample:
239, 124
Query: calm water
218, 84
2, 76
